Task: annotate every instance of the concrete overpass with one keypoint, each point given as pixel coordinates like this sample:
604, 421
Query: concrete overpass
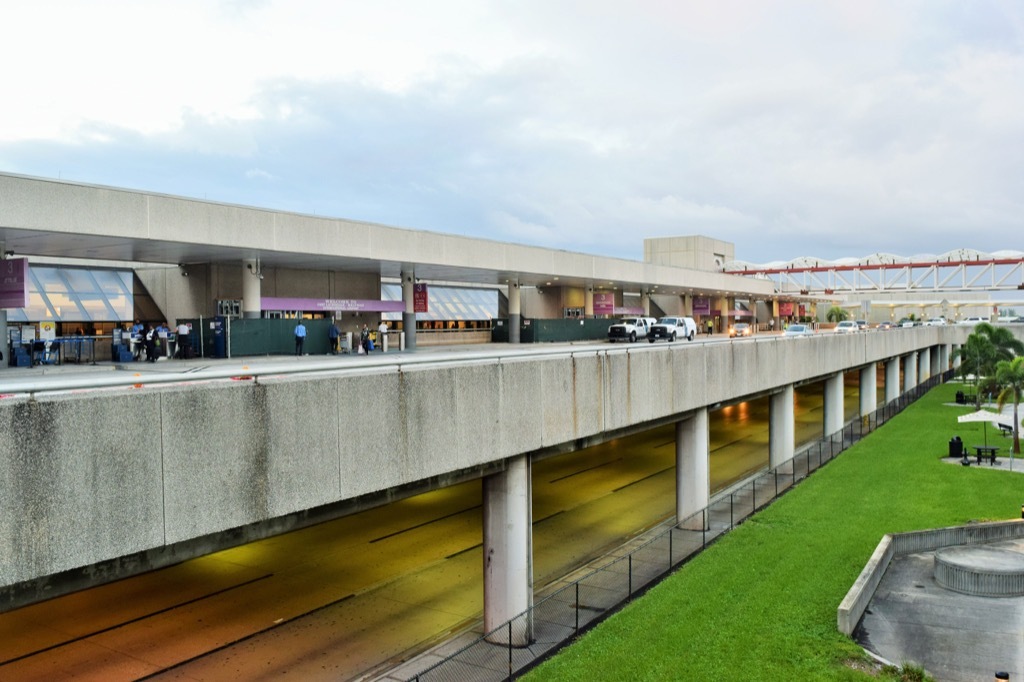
98, 484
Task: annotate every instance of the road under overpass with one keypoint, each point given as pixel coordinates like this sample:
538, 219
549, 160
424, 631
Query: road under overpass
77, 463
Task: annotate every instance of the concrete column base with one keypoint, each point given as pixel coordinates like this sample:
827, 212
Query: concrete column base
693, 478
833, 399
409, 328
508, 553
781, 427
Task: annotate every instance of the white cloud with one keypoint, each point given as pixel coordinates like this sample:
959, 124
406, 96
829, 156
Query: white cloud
788, 127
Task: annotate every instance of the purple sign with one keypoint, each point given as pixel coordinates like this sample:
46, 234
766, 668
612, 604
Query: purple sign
701, 305
628, 310
604, 303
331, 305
14, 283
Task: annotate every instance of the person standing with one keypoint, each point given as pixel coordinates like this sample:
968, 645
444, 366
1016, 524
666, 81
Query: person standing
382, 331
137, 340
711, 326
364, 340
333, 334
300, 336
184, 340
151, 339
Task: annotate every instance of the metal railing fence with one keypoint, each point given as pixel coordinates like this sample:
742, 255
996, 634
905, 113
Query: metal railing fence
562, 615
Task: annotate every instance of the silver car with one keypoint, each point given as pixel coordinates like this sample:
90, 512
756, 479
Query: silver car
798, 330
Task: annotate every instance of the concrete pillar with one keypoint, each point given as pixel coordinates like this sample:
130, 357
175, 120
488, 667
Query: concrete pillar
508, 550
515, 311
781, 427
693, 471
588, 302
252, 278
934, 361
645, 302
408, 315
892, 379
909, 372
956, 357
868, 389
945, 353
833, 405
924, 365
4, 348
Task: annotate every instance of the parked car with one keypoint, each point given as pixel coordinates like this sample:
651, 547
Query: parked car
906, 322
630, 329
972, 320
672, 328
798, 330
884, 326
846, 327
740, 329
935, 322
862, 325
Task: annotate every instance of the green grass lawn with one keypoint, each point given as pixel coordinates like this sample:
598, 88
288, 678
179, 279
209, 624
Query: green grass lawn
761, 603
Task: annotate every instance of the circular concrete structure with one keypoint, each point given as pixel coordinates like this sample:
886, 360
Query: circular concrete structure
980, 571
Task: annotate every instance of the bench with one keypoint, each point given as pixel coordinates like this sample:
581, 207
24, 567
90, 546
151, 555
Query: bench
1005, 428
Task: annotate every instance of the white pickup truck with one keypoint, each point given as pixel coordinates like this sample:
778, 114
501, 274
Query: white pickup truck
630, 329
673, 328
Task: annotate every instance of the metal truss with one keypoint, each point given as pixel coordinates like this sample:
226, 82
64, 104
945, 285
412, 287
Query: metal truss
979, 275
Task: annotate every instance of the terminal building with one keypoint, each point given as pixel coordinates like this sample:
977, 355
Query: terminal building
101, 258
166, 258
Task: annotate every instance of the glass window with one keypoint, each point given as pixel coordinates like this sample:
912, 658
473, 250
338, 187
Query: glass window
77, 295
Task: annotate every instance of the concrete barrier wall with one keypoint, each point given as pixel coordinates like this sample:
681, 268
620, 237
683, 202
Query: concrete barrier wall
899, 544
86, 478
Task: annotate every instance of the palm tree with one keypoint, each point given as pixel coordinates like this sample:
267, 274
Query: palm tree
1010, 378
976, 356
985, 348
1006, 345
836, 314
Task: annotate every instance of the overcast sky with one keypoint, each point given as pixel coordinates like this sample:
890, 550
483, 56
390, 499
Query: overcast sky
826, 129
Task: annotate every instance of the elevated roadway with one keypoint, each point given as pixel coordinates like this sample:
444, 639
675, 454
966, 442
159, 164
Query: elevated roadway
242, 459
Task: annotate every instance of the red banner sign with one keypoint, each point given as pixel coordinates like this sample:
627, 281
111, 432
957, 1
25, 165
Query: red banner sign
14, 283
419, 298
604, 303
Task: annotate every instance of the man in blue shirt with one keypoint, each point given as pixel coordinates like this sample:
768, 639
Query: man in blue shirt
300, 336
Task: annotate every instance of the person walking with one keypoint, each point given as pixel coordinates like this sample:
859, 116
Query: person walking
382, 332
333, 334
300, 337
711, 326
364, 340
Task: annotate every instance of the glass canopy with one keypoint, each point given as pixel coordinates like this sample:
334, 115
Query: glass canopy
76, 295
